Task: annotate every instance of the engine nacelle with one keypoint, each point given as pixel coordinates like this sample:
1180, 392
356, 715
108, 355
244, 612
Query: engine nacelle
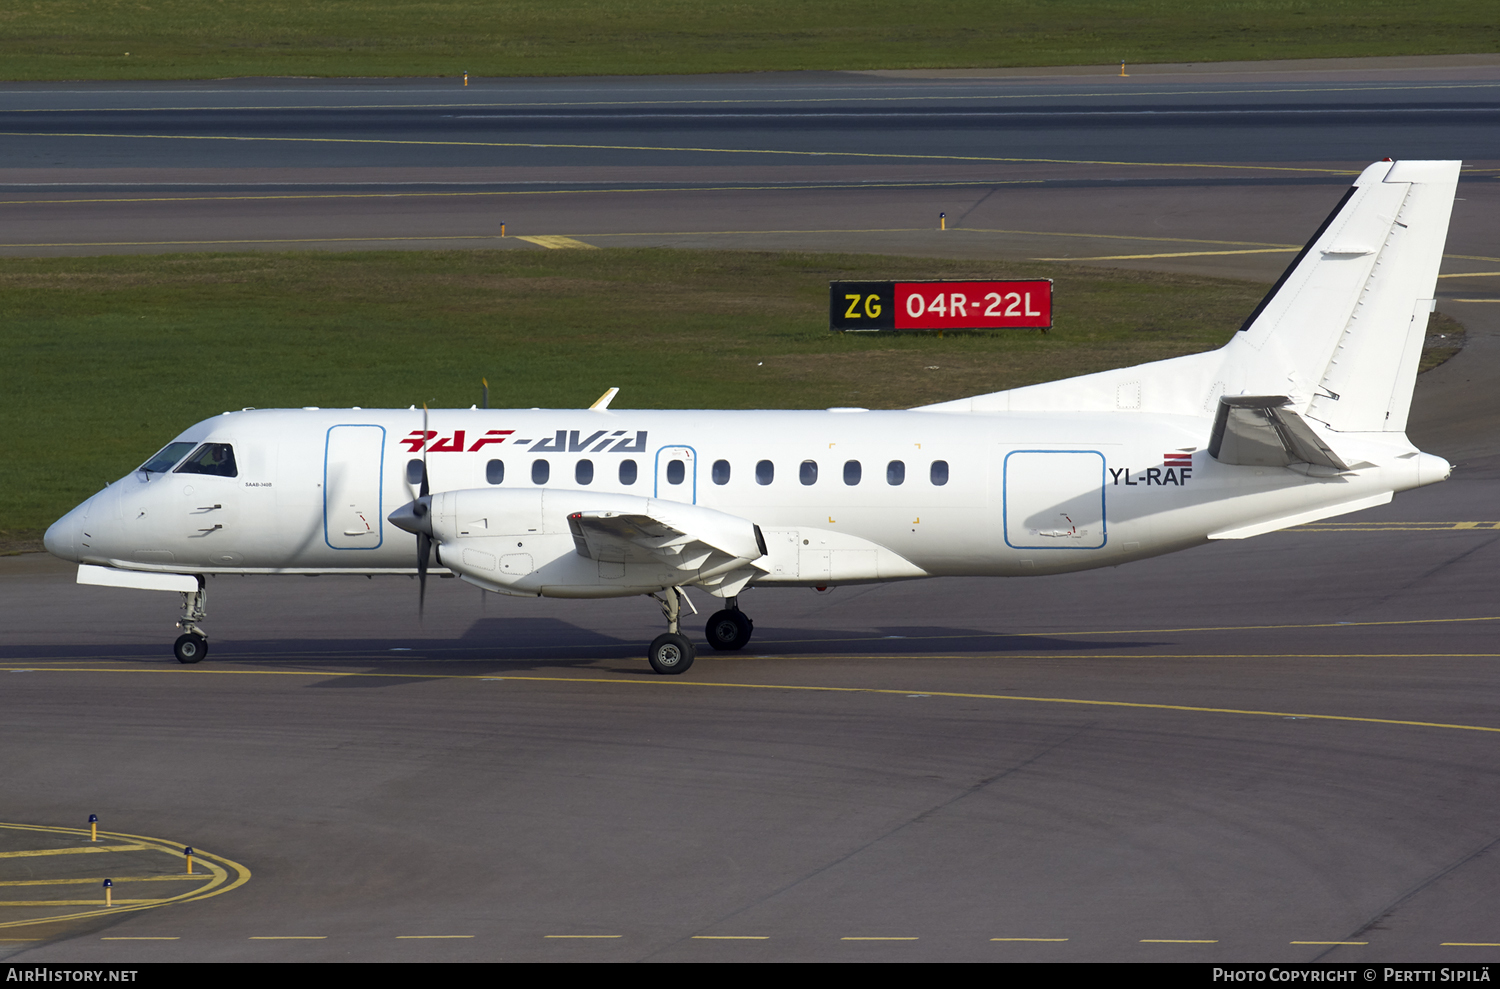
560, 542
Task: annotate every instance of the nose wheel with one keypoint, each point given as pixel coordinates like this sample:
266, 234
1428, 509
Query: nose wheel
190, 648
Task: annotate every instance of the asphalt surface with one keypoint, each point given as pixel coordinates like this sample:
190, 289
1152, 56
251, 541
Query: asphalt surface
1244, 752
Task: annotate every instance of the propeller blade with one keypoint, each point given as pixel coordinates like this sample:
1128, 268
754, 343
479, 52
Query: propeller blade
423, 493
424, 549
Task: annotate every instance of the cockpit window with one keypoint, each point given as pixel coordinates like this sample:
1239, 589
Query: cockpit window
166, 459
211, 458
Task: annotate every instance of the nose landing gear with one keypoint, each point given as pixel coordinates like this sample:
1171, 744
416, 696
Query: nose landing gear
192, 645
190, 648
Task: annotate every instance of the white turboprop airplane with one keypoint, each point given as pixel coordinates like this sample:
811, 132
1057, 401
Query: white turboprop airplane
1301, 416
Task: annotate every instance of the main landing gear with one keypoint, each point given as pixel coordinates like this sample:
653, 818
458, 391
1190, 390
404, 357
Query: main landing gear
672, 652
192, 645
729, 629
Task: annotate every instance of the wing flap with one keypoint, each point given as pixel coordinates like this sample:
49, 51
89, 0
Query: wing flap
684, 537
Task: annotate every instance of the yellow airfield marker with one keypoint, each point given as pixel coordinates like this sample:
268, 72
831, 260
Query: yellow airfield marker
555, 242
109, 888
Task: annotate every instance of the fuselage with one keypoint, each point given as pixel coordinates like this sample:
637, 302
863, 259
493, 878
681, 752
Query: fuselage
841, 496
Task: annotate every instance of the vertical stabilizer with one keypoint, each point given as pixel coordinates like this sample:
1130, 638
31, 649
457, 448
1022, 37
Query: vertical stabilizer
1346, 321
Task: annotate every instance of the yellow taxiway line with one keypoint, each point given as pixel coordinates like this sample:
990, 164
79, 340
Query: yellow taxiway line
470, 193
670, 149
86, 850
1177, 254
710, 685
219, 879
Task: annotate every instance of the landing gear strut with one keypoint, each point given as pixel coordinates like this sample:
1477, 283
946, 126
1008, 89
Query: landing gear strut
729, 629
671, 652
192, 645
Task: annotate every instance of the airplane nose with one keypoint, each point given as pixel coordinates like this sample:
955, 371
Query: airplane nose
61, 539
414, 516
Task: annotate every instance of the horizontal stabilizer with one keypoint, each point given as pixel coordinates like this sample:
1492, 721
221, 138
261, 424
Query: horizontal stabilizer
1262, 431
1280, 522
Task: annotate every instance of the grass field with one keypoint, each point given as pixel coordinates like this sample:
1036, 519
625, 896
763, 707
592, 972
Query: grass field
180, 39
107, 358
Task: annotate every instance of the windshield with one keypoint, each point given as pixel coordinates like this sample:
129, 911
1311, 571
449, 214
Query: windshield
163, 461
211, 458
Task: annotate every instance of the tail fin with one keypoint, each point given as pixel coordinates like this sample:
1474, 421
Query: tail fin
1342, 329
1339, 335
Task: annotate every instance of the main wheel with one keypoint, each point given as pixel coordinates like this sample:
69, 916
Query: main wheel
190, 648
729, 630
671, 653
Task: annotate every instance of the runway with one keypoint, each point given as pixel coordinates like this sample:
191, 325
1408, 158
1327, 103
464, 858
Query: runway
1279, 749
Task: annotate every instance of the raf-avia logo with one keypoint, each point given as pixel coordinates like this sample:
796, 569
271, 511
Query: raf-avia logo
1176, 468
564, 441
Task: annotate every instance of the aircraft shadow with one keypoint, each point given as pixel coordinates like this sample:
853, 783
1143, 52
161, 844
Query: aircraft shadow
541, 644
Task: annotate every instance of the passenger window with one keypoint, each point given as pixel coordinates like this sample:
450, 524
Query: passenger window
852, 472
166, 459
627, 472
494, 471
584, 472
808, 474
895, 472
540, 471
211, 458
675, 472
940, 472
721, 472
414, 472
765, 472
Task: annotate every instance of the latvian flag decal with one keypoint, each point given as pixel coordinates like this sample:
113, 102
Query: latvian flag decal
1177, 460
